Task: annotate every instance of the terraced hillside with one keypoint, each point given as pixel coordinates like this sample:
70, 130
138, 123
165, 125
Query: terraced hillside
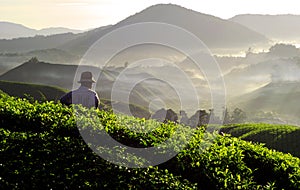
41, 147
35, 91
283, 138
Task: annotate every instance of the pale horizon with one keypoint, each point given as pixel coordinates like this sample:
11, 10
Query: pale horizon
87, 14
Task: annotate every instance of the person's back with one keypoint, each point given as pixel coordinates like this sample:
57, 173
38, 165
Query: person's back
83, 95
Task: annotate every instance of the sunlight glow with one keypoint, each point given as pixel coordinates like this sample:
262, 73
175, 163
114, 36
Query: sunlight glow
83, 14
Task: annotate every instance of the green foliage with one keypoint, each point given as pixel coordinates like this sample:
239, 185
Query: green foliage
279, 137
237, 116
37, 92
1, 92
41, 147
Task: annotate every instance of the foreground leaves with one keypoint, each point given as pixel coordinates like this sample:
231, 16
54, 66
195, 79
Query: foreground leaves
41, 147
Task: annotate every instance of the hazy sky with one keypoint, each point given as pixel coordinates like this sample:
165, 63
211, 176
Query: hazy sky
84, 14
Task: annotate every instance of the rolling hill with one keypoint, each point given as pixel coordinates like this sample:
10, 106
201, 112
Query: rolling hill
9, 30
279, 97
23, 45
36, 72
26, 90
40, 42
213, 31
279, 137
51, 93
257, 70
277, 27
9, 61
46, 146
14, 52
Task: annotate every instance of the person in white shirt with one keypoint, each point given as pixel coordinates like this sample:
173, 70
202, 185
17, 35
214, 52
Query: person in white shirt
84, 95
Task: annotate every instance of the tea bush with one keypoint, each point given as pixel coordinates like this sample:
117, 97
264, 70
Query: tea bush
42, 147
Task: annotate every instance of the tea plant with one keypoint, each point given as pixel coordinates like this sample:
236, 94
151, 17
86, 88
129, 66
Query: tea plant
42, 147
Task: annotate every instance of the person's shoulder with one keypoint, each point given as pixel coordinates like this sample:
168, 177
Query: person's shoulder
67, 94
66, 98
92, 91
85, 90
95, 94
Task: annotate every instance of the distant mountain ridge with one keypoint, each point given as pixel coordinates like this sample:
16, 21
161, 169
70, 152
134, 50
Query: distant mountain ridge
21, 45
280, 97
63, 76
36, 72
280, 27
213, 31
9, 30
39, 42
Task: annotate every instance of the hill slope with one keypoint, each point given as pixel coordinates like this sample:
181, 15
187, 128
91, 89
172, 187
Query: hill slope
34, 71
279, 97
39, 42
213, 31
35, 43
9, 30
50, 93
279, 137
28, 136
279, 27
37, 92
9, 61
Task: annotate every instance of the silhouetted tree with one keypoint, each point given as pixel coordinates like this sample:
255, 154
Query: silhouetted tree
199, 118
126, 64
238, 116
183, 117
34, 60
227, 117
284, 50
249, 51
163, 115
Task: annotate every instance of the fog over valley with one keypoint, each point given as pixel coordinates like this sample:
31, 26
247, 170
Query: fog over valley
242, 57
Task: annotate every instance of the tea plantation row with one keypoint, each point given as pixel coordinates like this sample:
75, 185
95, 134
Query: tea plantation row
42, 147
284, 138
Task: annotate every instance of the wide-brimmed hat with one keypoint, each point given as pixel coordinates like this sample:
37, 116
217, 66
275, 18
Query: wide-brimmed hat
86, 77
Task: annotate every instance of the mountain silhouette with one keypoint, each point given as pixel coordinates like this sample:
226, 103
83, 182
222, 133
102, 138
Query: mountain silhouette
39, 42
9, 30
278, 27
280, 97
64, 76
22, 45
37, 72
213, 31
